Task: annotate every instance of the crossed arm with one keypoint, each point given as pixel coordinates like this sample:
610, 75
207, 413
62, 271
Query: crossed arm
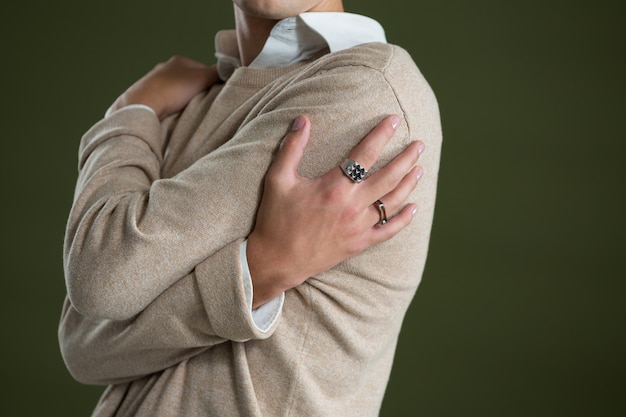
123, 214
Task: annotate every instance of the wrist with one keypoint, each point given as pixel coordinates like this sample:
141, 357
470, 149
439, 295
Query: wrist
136, 97
269, 276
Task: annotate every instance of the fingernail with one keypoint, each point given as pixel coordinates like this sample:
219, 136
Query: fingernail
420, 147
395, 122
419, 173
414, 210
298, 123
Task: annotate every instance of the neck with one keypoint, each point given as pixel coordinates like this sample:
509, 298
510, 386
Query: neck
253, 31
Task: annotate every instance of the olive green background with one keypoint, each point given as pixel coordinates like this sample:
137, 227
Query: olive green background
521, 311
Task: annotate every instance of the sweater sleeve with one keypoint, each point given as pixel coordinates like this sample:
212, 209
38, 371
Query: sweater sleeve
118, 333
131, 234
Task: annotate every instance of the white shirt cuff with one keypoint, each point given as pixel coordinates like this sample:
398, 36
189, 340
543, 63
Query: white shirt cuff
265, 316
134, 106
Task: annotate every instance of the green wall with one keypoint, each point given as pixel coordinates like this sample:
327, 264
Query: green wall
521, 311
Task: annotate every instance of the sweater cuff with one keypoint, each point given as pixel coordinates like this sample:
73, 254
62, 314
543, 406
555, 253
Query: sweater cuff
221, 284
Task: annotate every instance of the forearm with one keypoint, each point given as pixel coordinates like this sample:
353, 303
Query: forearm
207, 307
102, 352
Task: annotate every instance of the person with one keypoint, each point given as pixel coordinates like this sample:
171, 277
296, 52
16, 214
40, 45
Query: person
224, 255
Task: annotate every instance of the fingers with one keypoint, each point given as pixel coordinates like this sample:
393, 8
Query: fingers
388, 177
392, 183
188, 73
385, 232
396, 198
291, 150
205, 76
169, 86
367, 151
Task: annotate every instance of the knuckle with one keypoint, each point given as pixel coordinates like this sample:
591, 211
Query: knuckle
289, 143
334, 194
354, 251
359, 247
178, 61
176, 58
172, 61
414, 152
370, 155
393, 177
273, 178
349, 213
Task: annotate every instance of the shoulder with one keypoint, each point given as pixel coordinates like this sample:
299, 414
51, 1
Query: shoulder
367, 65
378, 73
378, 57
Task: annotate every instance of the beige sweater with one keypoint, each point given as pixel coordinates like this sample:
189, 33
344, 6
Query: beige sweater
156, 306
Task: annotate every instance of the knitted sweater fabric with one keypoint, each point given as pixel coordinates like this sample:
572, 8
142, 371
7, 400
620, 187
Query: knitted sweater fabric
156, 307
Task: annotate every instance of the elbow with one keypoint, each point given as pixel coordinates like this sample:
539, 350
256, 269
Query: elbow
98, 295
98, 305
86, 350
78, 356
78, 370
82, 365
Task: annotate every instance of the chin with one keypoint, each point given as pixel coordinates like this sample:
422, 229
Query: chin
281, 9
269, 9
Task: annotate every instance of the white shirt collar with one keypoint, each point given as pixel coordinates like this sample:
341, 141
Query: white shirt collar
300, 37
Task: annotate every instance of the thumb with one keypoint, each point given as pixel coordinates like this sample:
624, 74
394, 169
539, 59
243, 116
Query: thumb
292, 147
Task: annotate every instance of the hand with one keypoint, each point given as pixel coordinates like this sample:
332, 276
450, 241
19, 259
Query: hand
306, 226
169, 86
